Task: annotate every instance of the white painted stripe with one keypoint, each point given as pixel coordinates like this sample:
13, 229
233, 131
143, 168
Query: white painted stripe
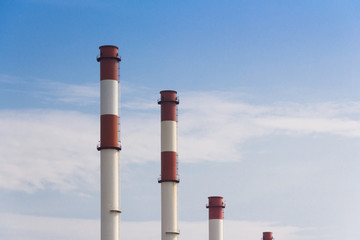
109, 96
216, 229
109, 180
169, 211
168, 136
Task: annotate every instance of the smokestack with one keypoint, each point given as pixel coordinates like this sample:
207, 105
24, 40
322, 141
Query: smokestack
267, 236
169, 178
109, 146
216, 218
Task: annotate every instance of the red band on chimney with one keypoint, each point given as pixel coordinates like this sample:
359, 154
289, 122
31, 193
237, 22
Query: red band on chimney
168, 112
108, 69
168, 103
168, 166
216, 206
108, 59
267, 236
109, 130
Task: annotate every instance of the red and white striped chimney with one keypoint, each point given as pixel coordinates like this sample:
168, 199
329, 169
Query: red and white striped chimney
267, 236
169, 177
109, 146
216, 218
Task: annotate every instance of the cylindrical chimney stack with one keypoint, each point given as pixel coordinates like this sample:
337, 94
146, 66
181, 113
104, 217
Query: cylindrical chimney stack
109, 146
267, 236
216, 218
169, 177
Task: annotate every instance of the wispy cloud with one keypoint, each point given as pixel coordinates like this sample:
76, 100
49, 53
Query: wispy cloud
214, 126
33, 227
14, 226
51, 91
56, 149
5, 78
289, 125
70, 93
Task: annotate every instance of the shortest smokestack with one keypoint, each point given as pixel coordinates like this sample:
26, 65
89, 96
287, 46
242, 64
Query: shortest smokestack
216, 218
267, 236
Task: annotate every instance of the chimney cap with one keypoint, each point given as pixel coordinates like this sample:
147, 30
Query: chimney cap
109, 46
173, 91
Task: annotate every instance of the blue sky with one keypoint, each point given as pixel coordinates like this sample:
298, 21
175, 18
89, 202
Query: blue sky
268, 116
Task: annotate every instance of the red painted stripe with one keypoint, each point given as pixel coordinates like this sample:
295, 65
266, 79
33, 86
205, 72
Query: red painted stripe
168, 103
168, 95
216, 206
108, 69
215, 201
109, 130
216, 213
267, 236
168, 111
168, 166
108, 59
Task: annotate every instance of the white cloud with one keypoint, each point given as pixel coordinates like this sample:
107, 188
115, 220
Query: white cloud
213, 126
289, 125
5, 78
40, 149
140, 138
56, 149
51, 91
70, 93
13, 226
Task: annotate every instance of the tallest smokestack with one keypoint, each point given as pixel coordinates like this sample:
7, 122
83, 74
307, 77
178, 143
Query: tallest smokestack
169, 179
109, 143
